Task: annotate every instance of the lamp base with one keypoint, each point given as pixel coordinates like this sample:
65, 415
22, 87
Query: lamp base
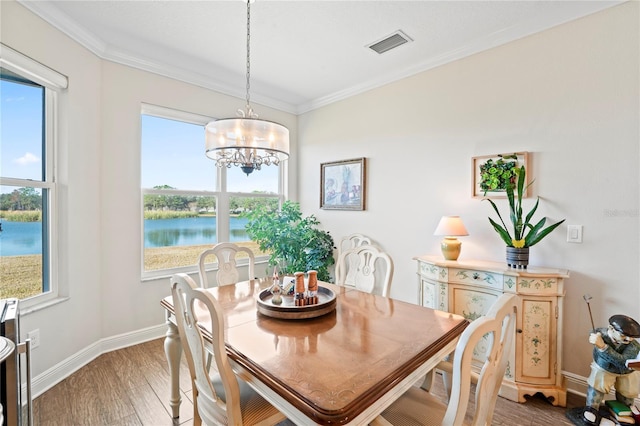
450, 248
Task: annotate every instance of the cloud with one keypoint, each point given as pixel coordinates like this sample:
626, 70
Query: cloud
27, 159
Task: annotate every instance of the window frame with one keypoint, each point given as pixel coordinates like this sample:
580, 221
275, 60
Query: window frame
223, 197
53, 84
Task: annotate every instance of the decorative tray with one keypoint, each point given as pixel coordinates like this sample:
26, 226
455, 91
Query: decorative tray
288, 309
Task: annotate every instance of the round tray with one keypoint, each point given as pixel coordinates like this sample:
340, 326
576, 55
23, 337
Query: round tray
288, 309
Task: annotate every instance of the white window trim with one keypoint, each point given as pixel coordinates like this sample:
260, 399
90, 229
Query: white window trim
53, 83
223, 197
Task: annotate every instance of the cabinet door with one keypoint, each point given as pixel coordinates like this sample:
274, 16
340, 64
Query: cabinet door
471, 303
536, 340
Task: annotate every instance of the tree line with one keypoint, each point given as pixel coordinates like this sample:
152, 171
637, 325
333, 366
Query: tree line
203, 204
21, 199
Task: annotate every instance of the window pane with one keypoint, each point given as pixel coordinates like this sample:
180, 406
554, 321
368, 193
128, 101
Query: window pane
238, 221
263, 180
177, 229
21, 242
21, 130
173, 155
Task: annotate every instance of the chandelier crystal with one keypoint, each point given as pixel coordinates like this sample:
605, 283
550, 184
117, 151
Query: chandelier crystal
246, 141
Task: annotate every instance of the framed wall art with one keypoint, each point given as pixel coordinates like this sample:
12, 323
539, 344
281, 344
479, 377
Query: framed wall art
343, 184
492, 173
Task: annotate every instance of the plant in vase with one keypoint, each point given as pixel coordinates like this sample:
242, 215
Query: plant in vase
294, 243
525, 234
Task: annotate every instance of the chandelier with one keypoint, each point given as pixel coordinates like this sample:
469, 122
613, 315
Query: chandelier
246, 141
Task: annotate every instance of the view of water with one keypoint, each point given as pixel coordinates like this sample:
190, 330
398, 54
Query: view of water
23, 238
20, 238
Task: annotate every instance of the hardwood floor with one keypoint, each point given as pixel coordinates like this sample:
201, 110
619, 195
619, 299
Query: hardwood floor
131, 387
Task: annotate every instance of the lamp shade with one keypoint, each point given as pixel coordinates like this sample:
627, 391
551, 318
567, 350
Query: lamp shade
246, 142
451, 226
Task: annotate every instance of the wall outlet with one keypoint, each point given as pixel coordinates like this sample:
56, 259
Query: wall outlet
35, 338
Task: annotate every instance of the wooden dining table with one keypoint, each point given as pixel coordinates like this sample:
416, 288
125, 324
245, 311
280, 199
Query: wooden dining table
344, 367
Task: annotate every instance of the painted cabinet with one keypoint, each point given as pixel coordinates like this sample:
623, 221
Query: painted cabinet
470, 287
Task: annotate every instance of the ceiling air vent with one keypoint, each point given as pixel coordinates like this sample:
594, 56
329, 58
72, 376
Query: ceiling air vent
390, 42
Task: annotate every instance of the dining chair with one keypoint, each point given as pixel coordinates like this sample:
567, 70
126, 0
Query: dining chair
225, 254
366, 268
418, 406
221, 398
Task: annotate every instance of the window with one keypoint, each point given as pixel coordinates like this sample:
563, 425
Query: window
188, 203
28, 105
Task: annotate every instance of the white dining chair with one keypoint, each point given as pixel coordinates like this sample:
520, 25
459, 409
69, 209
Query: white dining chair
225, 254
419, 407
221, 398
366, 268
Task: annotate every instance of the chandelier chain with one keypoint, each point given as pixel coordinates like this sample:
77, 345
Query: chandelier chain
248, 107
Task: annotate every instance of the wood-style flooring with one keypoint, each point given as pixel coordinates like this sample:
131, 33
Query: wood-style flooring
131, 387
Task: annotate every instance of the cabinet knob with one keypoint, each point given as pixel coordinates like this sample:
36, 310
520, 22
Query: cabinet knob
518, 330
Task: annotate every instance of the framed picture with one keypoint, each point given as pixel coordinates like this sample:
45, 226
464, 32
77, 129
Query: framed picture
343, 185
492, 173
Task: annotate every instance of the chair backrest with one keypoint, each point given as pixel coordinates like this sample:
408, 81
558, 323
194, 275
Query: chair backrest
226, 254
353, 241
366, 268
191, 305
496, 329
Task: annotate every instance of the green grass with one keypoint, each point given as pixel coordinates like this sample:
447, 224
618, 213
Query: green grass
21, 215
21, 276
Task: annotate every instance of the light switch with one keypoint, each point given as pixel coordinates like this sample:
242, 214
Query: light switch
574, 233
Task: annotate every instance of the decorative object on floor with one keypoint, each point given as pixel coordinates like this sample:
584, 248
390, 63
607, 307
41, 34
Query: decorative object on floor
294, 243
587, 416
493, 173
343, 185
613, 347
246, 141
525, 234
451, 227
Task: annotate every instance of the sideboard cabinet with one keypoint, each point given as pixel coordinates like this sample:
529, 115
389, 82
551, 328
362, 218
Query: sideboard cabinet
469, 288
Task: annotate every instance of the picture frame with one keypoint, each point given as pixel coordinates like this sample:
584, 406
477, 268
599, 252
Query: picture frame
485, 185
343, 184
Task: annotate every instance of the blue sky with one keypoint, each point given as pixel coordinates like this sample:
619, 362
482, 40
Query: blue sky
172, 151
173, 154
20, 131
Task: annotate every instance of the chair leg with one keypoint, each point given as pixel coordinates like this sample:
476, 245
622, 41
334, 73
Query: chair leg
446, 381
427, 383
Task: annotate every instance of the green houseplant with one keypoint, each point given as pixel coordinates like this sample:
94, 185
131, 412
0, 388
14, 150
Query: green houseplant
294, 242
524, 233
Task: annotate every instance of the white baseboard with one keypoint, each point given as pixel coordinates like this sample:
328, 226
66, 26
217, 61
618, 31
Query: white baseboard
578, 386
46, 380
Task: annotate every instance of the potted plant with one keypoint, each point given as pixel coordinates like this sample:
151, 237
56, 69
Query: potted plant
294, 243
525, 234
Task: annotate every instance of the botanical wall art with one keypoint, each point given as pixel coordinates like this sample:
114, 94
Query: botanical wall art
492, 173
343, 184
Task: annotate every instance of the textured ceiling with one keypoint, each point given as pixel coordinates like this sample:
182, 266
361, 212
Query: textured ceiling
304, 54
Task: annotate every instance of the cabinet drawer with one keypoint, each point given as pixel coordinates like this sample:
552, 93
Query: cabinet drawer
433, 272
538, 286
478, 278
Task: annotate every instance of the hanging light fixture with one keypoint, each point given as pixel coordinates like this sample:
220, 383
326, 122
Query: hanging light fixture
246, 141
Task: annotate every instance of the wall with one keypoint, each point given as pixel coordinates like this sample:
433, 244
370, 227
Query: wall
569, 95
71, 326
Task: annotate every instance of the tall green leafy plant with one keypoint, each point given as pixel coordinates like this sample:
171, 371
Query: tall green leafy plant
524, 233
293, 241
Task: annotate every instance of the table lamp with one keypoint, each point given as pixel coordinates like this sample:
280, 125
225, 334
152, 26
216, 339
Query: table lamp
451, 227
